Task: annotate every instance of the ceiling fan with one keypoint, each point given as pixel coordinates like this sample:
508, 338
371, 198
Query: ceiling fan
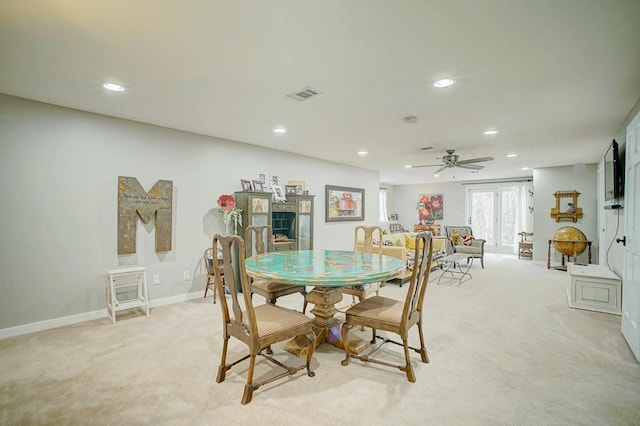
451, 160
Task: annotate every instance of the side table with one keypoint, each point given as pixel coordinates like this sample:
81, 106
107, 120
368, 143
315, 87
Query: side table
451, 264
126, 289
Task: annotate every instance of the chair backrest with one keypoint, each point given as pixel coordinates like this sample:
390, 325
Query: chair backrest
462, 230
419, 279
365, 237
255, 237
209, 260
243, 323
525, 236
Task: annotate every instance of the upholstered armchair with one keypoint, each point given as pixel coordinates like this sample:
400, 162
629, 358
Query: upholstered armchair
460, 240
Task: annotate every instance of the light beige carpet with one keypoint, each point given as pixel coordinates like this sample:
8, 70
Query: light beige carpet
505, 349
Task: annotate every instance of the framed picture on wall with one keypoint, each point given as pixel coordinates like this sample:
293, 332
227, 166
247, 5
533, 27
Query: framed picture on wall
343, 204
430, 207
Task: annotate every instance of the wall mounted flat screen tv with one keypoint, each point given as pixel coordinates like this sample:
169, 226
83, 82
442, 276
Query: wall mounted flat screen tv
613, 177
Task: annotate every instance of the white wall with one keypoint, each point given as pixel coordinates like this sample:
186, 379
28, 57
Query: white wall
546, 182
59, 170
407, 196
610, 227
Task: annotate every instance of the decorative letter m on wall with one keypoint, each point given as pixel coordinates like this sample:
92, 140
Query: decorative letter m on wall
134, 201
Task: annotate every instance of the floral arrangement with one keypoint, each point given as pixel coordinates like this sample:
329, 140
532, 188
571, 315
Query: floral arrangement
232, 214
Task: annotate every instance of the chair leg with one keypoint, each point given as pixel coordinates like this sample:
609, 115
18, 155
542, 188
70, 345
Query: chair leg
249, 387
423, 350
344, 331
222, 370
482, 262
408, 368
312, 345
304, 298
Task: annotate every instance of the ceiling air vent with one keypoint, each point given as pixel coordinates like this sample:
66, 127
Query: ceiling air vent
424, 148
304, 94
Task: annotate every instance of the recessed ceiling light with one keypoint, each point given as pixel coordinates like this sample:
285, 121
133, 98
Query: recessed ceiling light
445, 82
512, 155
524, 168
436, 175
113, 87
280, 130
491, 132
362, 153
408, 166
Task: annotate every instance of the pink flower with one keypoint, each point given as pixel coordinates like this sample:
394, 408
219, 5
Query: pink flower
436, 202
226, 202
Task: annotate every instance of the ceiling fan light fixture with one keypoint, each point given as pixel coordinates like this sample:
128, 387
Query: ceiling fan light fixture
444, 82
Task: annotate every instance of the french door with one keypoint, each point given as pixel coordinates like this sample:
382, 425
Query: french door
492, 213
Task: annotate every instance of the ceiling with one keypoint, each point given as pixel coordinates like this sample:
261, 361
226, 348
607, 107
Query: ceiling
556, 78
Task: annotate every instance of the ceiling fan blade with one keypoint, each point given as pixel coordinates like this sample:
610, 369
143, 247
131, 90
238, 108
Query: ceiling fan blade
439, 170
470, 166
426, 165
475, 160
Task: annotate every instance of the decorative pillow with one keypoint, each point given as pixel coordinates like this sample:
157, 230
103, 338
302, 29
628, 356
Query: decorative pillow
410, 242
387, 243
455, 238
460, 239
411, 261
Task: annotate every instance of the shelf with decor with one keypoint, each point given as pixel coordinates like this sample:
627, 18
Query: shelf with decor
566, 211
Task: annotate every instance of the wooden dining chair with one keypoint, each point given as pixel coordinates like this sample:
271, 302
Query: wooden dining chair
256, 326
367, 239
258, 240
395, 316
209, 259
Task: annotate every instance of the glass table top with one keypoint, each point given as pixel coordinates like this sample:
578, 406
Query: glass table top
330, 268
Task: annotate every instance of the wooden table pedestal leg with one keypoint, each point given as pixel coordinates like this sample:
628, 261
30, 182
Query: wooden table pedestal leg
325, 324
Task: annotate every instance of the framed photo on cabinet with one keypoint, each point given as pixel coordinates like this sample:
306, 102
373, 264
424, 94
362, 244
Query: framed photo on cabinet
258, 186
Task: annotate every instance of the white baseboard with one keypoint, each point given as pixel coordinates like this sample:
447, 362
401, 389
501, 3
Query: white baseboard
86, 316
173, 299
52, 323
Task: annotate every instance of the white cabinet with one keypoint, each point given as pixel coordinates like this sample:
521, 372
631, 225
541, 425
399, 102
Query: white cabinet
593, 287
126, 289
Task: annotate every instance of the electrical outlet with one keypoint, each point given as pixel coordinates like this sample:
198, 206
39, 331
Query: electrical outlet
186, 275
156, 279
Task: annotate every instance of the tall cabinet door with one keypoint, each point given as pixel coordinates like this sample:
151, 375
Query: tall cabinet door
256, 209
305, 222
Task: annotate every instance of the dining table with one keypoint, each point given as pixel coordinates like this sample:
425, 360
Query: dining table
327, 271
